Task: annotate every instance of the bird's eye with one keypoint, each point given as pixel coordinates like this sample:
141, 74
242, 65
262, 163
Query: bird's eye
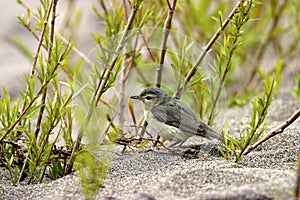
148, 98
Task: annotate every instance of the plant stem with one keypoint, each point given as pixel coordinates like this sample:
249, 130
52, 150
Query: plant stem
35, 59
101, 88
260, 121
35, 98
166, 32
227, 68
103, 82
263, 47
58, 35
207, 48
273, 132
51, 41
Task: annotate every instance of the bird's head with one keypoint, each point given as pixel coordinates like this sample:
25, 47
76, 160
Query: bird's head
152, 96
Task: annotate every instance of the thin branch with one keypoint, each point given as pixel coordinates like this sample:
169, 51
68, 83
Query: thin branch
207, 49
42, 148
263, 47
169, 5
51, 41
103, 82
66, 21
127, 67
40, 44
101, 88
125, 11
166, 31
122, 92
260, 119
146, 41
146, 44
58, 35
70, 163
273, 132
43, 101
159, 22
227, 68
76, 50
104, 7
24, 111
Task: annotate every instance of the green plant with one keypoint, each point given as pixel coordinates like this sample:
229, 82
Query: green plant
260, 105
41, 107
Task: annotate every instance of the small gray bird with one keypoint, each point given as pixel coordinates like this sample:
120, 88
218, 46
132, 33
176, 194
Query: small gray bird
172, 119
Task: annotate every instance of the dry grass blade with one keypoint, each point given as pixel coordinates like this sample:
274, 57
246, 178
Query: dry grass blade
131, 111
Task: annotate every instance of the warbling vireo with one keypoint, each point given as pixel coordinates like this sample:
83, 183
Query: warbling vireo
172, 119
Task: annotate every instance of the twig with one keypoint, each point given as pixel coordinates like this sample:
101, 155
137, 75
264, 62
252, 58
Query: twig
58, 35
125, 11
127, 67
122, 91
260, 119
104, 7
207, 48
35, 59
51, 41
24, 111
157, 25
48, 158
103, 82
146, 44
166, 31
262, 48
147, 83
82, 128
101, 88
227, 68
273, 132
66, 21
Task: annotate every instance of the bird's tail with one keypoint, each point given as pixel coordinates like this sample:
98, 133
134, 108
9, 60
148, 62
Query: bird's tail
207, 132
213, 134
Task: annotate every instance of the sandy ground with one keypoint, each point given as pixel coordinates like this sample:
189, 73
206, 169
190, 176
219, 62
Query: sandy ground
266, 173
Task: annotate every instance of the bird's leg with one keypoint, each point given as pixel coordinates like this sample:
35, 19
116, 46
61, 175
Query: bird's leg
178, 142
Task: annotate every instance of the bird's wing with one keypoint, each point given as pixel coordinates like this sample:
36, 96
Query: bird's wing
180, 115
176, 114
203, 129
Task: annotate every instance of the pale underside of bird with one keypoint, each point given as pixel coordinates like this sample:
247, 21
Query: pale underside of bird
172, 119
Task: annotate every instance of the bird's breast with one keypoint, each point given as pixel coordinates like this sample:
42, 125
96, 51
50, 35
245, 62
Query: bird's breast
168, 132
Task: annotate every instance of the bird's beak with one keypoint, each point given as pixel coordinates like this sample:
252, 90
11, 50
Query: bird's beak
135, 97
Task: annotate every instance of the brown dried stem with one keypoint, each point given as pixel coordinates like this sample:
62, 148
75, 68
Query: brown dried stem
207, 49
166, 31
263, 47
57, 34
273, 132
51, 41
228, 64
101, 88
40, 91
103, 82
